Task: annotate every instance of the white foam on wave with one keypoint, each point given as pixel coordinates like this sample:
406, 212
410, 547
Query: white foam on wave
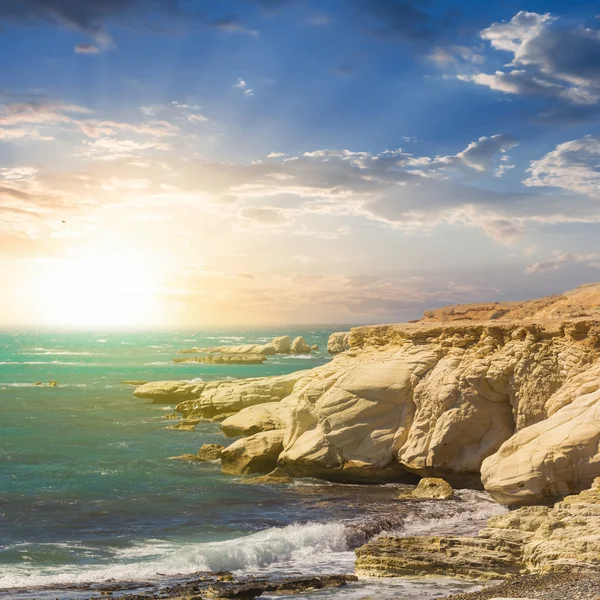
467, 518
271, 548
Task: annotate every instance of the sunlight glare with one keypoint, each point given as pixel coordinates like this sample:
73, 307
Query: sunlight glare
103, 287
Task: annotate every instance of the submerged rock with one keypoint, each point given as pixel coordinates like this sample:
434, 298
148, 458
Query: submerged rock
276, 477
430, 488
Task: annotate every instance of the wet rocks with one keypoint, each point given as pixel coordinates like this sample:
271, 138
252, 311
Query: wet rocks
209, 452
430, 488
449, 556
532, 539
276, 477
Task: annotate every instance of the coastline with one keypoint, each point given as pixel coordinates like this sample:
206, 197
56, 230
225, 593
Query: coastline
396, 403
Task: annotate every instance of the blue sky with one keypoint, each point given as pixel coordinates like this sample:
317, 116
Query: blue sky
293, 160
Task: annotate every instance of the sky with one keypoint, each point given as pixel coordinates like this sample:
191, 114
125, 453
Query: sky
174, 163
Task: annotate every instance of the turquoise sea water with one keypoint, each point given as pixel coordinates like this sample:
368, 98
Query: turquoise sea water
87, 492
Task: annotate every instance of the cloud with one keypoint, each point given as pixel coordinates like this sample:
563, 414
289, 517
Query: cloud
242, 84
233, 25
113, 149
86, 49
265, 215
479, 155
94, 17
39, 112
550, 59
564, 259
573, 166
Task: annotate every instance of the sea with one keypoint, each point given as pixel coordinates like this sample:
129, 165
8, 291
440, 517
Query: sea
88, 493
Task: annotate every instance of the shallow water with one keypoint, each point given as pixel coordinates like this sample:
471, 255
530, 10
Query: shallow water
87, 493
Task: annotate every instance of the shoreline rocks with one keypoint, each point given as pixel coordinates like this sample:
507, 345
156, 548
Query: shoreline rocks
533, 539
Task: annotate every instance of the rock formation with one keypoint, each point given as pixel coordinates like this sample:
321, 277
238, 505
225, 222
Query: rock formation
255, 454
225, 359
338, 342
299, 346
282, 344
430, 488
512, 403
209, 452
533, 539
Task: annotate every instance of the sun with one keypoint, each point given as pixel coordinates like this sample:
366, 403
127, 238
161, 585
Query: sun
99, 287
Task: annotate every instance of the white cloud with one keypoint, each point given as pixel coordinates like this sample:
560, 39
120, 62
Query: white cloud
550, 58
573, 166
564, 259
242, 84
108, 149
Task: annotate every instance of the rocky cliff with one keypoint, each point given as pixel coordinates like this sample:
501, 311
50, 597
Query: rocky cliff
503, 395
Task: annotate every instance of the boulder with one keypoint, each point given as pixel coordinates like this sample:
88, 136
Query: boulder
282, 344
299, 346
338, 342
430, 488
255, 454
209, 452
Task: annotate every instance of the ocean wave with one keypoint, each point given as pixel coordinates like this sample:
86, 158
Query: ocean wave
294, 544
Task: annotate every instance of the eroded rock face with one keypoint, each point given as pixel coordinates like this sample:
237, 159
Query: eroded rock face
218, 399
552, 458
255, 454
338, 342
282, 344
533, 539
